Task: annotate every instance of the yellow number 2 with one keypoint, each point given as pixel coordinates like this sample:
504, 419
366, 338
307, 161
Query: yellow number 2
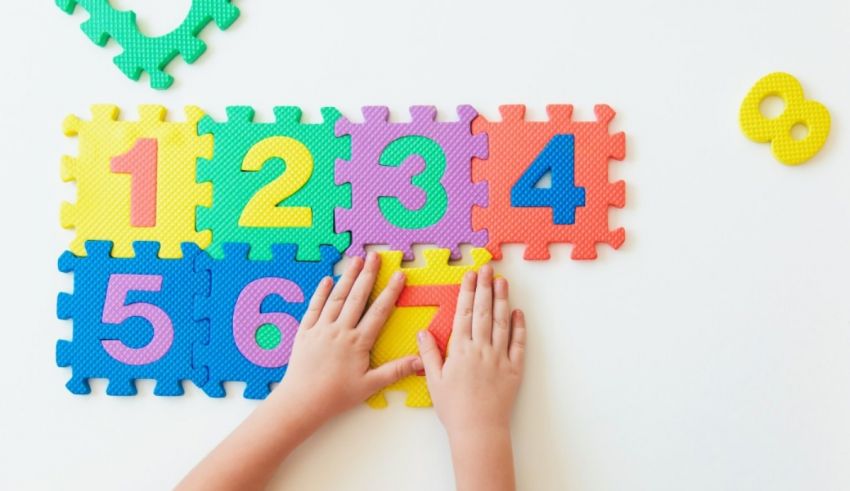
812, 115
264, 210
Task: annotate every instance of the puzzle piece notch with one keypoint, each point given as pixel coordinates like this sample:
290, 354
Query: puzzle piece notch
234, 187
398, 338
88, 354
143, 53
218, 354
370, 178
514, 143
103, 196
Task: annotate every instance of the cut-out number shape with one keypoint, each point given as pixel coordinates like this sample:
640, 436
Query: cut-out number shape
248, 319
429, 201
557, 158
264, 210
778, 131
444, 297
141, 163
115, 311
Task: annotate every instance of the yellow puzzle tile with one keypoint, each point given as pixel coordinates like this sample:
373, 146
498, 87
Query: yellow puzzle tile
398, 339
103, 207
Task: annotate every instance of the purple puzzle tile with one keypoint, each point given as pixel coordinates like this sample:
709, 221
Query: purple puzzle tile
411, 183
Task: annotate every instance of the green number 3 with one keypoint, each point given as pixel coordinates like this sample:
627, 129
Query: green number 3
436, 199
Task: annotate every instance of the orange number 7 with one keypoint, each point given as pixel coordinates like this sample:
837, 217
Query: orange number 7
444, 297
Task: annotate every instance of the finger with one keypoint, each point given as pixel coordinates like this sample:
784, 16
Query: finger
381, 309
352, 309
391, 372
518, 335
501, 316
340, 292
462, 328
482, 315
317, 303
432, 359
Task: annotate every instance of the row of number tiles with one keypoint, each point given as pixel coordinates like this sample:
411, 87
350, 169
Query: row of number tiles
231, 319
342, 183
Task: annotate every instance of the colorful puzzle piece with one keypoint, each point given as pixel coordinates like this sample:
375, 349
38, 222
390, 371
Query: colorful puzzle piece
274, 182
253, 311
812, 115
132, 319
275, 204
411, 182
136, 180
575, 209
428, 302
151, 54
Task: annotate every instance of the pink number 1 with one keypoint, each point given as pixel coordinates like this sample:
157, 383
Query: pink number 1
116, 312
140, 162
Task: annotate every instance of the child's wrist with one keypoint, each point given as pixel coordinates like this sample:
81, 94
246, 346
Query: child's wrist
478, 433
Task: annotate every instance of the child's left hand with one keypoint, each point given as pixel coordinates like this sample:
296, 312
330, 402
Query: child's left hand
329, 368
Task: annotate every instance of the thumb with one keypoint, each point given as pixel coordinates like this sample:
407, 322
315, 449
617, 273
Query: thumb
432, 359
392, 372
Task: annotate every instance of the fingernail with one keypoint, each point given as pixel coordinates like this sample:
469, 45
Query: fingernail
417, 364
422, 335
398, 276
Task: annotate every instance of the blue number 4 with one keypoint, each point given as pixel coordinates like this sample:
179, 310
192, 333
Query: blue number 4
558, 157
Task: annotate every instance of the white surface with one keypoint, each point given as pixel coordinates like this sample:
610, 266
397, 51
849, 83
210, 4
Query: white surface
709, 353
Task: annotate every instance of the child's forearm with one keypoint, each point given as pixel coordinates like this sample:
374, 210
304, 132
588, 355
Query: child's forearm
483, 459
249, 457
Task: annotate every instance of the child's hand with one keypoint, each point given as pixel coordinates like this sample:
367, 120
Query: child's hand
478, 383
475, 389
329, 369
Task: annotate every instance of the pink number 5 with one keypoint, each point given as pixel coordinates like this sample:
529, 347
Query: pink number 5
247, 318
116, 312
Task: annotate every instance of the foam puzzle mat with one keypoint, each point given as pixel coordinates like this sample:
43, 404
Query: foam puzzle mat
198, 243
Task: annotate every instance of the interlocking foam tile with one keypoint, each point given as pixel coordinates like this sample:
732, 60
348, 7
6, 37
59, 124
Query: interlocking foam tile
274, 182
411, 182
253, 310
132, 319
813, 115
151, 54
105, 207
514, 144
428, 301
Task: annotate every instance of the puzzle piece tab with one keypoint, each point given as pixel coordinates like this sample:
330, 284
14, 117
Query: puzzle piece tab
132, 319
253, 311
115, 156
580, 215
274, 182
151, 54
427, 302
411, 182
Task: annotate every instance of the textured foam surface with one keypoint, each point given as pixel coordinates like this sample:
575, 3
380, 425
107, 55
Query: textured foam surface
143, 53
428, 302
514, 144
244, 296
132, 319
103, 207
778, 131
253, 159
411, 182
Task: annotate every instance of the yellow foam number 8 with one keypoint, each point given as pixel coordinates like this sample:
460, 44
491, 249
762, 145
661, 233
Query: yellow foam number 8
263, 209
778, 131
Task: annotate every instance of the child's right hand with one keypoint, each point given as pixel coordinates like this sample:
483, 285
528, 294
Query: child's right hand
475, 389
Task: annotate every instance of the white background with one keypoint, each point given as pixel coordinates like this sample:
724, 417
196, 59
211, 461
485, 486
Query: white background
711, 352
